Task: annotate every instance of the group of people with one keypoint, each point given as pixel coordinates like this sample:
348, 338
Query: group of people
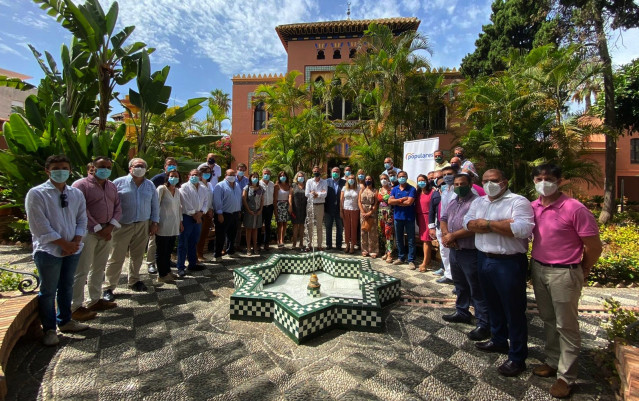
83, 233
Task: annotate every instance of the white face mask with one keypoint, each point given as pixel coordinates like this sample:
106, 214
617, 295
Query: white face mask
492, 188
138, 172
384, 182
546, 188
230, 178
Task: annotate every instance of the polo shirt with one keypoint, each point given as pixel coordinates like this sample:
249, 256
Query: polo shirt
404, 212
559, 228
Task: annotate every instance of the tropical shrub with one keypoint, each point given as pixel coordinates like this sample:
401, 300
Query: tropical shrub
619, 261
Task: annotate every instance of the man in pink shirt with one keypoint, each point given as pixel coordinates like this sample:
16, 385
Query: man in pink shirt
566, 245
103, 214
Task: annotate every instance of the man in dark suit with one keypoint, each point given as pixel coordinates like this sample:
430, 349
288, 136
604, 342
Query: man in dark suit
331, 209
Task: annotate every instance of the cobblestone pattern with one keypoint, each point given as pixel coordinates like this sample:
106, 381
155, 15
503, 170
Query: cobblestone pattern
176, 342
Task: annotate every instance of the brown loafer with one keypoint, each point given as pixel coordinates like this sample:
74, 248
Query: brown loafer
102, 305
560, 389
544, 370
82, 314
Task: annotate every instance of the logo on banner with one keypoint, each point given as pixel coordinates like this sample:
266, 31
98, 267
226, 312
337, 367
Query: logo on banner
418, 156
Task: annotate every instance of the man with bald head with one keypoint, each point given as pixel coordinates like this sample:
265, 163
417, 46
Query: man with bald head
503, 222
227, 202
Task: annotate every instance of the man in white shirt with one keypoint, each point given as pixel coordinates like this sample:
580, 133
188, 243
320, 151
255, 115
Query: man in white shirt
316, 189
57, 221
503, 222
267, 211
389, 167
216, 170
194, 199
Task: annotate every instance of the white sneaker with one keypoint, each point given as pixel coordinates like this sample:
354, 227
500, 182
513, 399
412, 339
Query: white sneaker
72, 326
50, 338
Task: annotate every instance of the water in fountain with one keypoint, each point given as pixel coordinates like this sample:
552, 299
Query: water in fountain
310, 225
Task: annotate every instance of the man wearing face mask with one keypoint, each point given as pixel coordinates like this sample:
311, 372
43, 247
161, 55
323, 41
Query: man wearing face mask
207, 218
402, 198
194, 201
242, 181
334, 187
502, 223
392, 177
170, 164
216, 170
227, 199
267, 210
440, 162
140, 217
316, 189
566, 245
447, 193
103, 213
390, 167
57, 221
465, 163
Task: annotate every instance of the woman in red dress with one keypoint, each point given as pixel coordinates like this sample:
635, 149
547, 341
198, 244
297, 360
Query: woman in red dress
422, 205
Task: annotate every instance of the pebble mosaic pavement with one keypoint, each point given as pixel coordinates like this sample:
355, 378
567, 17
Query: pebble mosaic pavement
176, 342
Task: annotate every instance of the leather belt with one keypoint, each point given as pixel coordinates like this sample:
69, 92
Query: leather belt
559, 265
503, 256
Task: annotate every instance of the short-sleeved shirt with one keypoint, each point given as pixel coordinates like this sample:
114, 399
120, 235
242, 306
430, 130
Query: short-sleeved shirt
404, 212
559, 228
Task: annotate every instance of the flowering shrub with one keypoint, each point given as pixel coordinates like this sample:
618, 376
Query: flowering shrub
620, 258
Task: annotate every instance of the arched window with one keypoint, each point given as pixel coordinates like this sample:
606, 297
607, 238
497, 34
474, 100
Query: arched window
259, 117
634, 150
336, 103
337, 54
320, 55
352, 53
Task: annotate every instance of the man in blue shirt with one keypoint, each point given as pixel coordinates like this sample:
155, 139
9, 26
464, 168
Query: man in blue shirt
334, 187
57, 221
227, 201
140, 218
402, 198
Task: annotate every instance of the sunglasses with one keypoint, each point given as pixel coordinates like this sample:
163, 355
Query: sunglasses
63, 201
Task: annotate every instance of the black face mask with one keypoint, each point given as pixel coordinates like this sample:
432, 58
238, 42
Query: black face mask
211, 161
434, 183
316, 174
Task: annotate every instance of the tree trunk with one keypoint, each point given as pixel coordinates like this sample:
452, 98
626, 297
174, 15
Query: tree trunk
105, 97
610, 118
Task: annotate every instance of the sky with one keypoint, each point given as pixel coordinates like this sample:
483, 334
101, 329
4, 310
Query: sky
206, 42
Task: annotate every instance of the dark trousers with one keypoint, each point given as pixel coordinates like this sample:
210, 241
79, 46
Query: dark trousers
503, 282
163, 252
407, 226
267, 216
187, 242
463, 267
226, 229
56, 275
329, 219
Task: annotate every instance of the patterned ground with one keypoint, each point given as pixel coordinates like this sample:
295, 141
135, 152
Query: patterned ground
176, 342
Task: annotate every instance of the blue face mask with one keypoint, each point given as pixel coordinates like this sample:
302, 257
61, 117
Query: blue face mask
174, 180
103, 173
393, 178
421, 184
206, 176
171, 167
351, 181
240, 173
266, 177
387, 166
300, 179
194, 179
282, 179
59, 176
361, 176
254, 180
402, 180
347, 173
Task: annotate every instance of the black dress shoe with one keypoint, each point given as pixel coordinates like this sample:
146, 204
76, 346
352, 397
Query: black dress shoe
479, 334
490, 346
196, 268
138, 287
108, 296
511, 368
457, 318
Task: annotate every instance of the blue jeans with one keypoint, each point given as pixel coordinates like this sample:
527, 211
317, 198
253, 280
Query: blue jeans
503, 282
407, 226
329, 218
463, 266
56, 275
187, 242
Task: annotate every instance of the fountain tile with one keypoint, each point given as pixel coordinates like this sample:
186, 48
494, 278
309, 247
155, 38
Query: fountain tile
349, 304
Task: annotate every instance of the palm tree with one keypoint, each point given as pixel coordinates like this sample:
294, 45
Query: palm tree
219, 107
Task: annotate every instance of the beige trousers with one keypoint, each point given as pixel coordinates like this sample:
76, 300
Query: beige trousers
557, 293
150, 251
133, 238
90, 270
318, 211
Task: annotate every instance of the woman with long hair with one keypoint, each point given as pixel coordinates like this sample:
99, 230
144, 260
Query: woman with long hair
283, 193
298, 202
349, 212
422, 206
386, 221
253, 201
368, 212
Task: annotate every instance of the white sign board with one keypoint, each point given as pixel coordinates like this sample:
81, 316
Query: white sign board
418, 157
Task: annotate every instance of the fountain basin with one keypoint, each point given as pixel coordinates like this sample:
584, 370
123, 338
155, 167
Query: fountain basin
257, 296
